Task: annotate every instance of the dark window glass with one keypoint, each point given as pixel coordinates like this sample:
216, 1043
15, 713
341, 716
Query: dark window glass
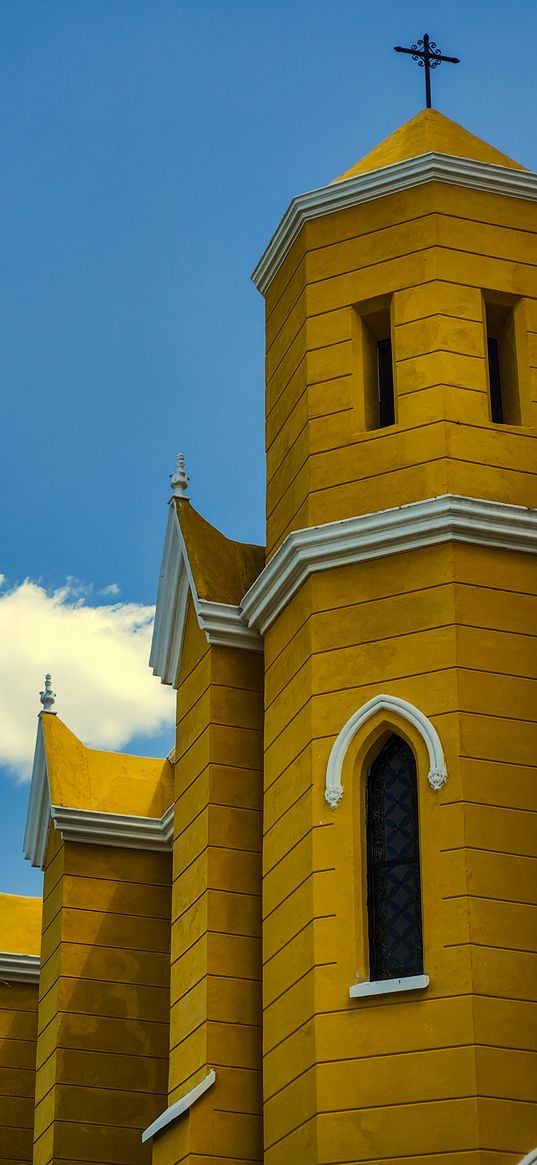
385, 383
393, 867
496, 407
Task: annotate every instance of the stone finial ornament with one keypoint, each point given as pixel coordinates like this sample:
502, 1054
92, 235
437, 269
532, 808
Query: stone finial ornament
47, 696
180, 479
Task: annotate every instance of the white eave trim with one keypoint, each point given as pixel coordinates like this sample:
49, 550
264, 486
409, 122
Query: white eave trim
431, 167
447, 518
222, 623
19, 968
123, 830
181, 1106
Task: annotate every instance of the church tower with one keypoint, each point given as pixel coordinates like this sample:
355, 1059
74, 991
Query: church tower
398, 608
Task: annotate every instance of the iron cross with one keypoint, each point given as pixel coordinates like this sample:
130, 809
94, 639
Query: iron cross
429, 57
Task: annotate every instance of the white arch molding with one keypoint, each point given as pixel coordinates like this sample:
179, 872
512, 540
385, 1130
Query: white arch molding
437, 775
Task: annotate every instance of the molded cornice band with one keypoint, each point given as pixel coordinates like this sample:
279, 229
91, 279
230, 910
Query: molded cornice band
431, 167
19, 968
447, 518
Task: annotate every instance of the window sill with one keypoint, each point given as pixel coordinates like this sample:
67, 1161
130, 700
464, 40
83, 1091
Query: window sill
387, 986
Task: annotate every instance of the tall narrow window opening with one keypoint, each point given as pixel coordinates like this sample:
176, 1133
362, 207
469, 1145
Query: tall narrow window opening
502, 363
495, 383
372, 355
385, 383
393, 864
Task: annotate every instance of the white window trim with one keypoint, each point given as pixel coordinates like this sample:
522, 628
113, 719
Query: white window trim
389, 986
437, 775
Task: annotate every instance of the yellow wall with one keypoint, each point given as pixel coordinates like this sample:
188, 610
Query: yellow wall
449, 1070
446, 1073
216, 906
435, 250
18, 1032
20, 932
104, 1003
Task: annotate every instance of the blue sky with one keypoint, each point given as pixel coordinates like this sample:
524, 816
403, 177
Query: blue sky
149, 148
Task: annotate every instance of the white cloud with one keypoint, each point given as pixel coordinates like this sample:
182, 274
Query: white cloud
98, 657
111, 589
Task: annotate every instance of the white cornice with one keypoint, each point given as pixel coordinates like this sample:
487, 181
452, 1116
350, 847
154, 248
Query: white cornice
179, 1107
426, 523
19, 968
123, 830
222, 623
430, 167
116, 829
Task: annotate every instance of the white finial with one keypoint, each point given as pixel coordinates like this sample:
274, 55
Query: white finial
180, 479
47, 696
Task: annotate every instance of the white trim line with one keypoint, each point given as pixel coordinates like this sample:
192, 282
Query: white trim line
425, 523
225, 625
122, 830
38, 815
19, 968
431, 167
387, 986
179, 1107
222, 623
437, 775
530, 1158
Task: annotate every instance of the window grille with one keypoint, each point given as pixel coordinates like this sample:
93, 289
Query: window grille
393, 865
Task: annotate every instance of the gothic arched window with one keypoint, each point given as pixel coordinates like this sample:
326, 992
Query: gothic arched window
393, 864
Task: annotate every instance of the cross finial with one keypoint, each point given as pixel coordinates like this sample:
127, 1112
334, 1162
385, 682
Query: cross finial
47, 696
428, 57
180, 479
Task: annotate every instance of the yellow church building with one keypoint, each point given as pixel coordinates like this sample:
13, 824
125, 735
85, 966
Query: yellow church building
308, 937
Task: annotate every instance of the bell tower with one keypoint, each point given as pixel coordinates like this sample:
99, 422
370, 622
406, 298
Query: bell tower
399, 614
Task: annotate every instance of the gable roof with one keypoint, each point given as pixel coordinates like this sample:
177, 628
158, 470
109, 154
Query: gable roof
198, 560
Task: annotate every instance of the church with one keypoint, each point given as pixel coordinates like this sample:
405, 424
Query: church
308, 936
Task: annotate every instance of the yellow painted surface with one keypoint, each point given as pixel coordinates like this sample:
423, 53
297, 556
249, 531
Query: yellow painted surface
20, 924
429, 131
215, 1017
223, 570
103, 1017
87, 778
442, 1074
438, 253
18, 1033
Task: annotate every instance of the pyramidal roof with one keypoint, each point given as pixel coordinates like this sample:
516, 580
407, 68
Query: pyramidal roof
429, 132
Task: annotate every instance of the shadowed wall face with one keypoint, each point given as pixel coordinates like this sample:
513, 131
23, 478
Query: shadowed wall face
104, 1003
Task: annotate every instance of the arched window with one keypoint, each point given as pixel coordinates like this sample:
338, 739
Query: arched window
393, 864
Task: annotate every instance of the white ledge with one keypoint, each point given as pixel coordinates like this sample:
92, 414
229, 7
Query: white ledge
19, 968
388, 986
179, 1107
431, 167
530, 1158
122, 830
447, 518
